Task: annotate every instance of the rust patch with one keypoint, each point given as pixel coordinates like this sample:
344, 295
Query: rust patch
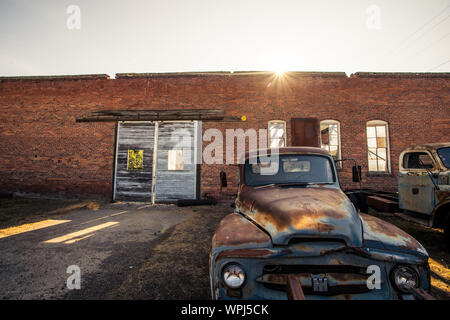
442, 195
297, 207
235, 229
389, 231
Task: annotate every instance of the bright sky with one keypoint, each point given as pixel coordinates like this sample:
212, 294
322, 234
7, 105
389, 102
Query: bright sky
223, 35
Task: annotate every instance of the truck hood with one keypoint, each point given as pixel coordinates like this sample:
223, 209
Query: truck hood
287, 213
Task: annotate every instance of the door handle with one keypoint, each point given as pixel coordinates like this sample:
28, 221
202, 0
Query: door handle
415, 190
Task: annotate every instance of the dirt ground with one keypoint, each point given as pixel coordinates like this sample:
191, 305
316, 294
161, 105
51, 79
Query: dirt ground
171, 263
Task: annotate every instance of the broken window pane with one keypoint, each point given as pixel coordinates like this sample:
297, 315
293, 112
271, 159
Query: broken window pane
276, 143
276, 130
277, 134
329, 138
324, 134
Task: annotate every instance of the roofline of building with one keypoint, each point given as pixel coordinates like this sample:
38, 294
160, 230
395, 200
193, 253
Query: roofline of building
400, 75
229, 74
57, 77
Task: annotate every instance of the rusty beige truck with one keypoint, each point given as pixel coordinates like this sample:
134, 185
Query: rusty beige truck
424, 184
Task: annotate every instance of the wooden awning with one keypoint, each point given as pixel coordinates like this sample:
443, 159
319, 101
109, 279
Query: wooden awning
158, 115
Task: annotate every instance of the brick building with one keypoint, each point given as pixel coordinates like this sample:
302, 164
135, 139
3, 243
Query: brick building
370, 117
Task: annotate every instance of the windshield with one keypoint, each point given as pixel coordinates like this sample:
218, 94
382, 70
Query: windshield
444, 154
292, 169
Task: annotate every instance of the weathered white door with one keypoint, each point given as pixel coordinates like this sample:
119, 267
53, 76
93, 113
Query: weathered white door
175, 168
134, 161
156, 161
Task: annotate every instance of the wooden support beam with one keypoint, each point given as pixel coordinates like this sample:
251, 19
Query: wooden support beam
169, 112
217, 115
294, 288
144, 118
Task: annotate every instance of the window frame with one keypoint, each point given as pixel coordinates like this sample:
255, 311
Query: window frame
284, 133
378, 123
339, 154
433, 161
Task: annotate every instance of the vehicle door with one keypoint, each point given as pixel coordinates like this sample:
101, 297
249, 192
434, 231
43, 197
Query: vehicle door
415, 187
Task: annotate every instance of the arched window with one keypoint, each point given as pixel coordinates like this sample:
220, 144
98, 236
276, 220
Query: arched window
277, 133
330, 138
378, 146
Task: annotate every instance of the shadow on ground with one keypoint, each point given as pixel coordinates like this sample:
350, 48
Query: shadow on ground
16, 211
178, 263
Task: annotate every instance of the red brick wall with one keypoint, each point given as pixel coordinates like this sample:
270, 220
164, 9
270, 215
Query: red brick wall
43, 149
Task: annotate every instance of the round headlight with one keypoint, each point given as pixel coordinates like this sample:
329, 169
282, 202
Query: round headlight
233, 276
405, 278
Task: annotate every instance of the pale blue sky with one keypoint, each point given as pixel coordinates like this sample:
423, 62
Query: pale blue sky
223, 35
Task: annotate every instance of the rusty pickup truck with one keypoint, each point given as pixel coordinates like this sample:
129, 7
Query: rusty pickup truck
424, 184
293, 221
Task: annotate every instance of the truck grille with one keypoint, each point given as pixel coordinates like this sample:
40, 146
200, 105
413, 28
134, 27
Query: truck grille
314, 269
341, 279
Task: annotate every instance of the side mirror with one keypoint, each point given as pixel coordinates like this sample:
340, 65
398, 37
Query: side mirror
356, 174
223, 179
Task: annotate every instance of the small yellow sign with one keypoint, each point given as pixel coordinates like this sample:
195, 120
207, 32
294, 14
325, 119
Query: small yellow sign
135, 159
243, 118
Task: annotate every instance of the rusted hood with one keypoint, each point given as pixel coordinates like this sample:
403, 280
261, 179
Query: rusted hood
312, 212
